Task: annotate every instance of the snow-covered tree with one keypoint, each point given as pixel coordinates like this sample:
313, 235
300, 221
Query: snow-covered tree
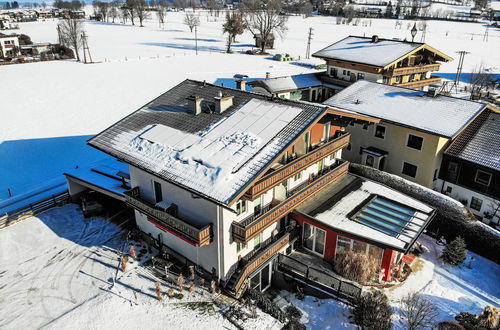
191, 20
455, 252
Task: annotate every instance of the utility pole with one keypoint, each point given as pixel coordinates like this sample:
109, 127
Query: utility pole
86, 49
59, 34
485, 37
196, 38
309, 38
460, 65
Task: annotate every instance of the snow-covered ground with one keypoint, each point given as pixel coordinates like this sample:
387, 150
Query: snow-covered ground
49, 110
56, 272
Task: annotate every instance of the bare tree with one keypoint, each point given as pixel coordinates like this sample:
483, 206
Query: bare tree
233, 26
142, 12
113, 9
262, 18
192, 21
418, 312
180, 4
71, 34
161, 11
480, 80
131, 8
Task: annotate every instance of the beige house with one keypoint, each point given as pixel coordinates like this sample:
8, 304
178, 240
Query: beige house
9, 44
414, 130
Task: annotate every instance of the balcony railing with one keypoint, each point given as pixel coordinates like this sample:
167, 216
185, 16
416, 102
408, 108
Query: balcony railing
276, 177
244, 232
420, 83
163, 219
336, 81
413, 69
268, 249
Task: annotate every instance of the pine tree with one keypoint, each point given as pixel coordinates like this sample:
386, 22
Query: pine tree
455, 252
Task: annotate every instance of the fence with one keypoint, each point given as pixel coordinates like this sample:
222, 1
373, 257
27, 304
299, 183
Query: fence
33, 209
319, 279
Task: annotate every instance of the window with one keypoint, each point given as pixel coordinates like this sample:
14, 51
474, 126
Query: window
369, 160
307, 140
241, 207
332, 156
448, 189
476, 203
7, 42
385, 80
158, 192
256, 241
409, 169
398, 79
361, 76
297, 176
412, 77
365, 127
326, 131
380, 131
257, 205
314, 238
333, 72
349, 146
415, 142
434, 178
240, 246
483, 177
346, 72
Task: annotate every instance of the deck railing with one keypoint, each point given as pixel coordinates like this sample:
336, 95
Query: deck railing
193, 234
244, 232
276, 177
413, 69
420, 83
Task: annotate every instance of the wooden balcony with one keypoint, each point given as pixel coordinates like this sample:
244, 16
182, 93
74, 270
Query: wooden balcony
252, 261
276, 177
412, 69
165, 220
336, 81
420, 83
243, 232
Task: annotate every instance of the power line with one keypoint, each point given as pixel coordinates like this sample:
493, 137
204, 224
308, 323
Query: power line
86, 49
460, 65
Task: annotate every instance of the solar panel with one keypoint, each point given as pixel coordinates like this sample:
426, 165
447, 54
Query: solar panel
386, 216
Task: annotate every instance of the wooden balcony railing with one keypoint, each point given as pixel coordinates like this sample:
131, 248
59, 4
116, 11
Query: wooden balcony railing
257, 258
336, 81
276, 177
412, 69
161, 218
244, 232
420, 83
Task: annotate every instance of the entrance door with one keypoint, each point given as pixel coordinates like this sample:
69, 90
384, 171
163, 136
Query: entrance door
262, 280
314, 239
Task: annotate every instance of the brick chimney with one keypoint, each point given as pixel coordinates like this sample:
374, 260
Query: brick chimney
194, 104
223, 102
241, 84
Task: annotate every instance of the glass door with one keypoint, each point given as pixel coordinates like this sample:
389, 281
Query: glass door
314, 239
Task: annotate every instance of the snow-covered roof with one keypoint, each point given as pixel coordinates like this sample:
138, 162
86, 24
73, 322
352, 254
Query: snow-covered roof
371, 211
440, 115
289, 83
363, 50
480, 142
495, 5
214, 155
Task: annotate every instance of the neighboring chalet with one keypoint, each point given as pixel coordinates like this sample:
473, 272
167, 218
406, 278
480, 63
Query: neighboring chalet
415, 128
387, 61
307, 87
470, 171
9, 45
215, 174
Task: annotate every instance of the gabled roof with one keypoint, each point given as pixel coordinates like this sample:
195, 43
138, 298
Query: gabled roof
213, 155
479, 143
439, 115
288, 83
380, 54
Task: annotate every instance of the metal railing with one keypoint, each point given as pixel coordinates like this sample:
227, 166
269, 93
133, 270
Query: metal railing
244, 232
198, 236
324, 281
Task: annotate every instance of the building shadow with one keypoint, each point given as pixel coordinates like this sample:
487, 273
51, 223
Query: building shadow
201, 48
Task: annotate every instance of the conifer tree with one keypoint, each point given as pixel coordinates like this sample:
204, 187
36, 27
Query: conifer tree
455, 252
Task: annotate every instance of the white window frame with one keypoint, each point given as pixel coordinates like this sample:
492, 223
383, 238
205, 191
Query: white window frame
297, 176
403, 166
314, 228
375, 131
408, 139
241, 203
489, 180
480, 206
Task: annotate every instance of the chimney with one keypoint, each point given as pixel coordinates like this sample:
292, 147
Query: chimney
374, 39
194, 104
268, 75
432, 92
241, 84
223, 102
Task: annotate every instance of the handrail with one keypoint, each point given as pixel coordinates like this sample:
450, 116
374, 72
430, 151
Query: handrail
414, 69
420, 83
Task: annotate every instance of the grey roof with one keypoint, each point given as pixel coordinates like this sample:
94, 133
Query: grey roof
480, 142
288, 83
362, 50
440, 115
170, 109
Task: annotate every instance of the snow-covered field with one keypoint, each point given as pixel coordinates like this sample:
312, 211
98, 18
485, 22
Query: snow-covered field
48, 110
56, 272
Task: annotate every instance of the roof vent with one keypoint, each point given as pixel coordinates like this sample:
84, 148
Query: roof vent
194, 104
268, 75
374, 39
357, 101
223, 102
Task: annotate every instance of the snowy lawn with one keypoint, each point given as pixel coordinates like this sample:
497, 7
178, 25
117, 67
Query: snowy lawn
56, 272
50, 109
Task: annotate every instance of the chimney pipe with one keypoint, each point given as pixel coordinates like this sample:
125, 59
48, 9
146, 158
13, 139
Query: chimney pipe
194, 104
268, 75
374, 39
241, 84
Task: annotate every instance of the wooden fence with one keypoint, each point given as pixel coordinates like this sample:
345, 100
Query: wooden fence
33, 209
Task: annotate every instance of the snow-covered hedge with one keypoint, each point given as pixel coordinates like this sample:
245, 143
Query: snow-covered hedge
452, 218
